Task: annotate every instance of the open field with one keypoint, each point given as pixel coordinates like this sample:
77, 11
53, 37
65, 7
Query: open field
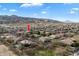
40, 41
44, 39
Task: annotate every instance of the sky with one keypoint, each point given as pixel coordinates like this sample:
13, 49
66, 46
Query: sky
56, 11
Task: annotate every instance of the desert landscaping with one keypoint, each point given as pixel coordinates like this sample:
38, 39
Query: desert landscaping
46, 38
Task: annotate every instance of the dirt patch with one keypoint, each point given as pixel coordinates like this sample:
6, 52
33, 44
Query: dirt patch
5, 51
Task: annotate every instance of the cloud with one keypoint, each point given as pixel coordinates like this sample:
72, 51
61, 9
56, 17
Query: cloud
74, 10
48, 7
12, 10
31, 4
35, 14
43, 12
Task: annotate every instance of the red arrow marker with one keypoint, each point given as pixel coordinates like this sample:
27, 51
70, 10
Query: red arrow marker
28, 27
17, 20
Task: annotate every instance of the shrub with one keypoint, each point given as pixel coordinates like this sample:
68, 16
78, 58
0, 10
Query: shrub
45, 53
75, 44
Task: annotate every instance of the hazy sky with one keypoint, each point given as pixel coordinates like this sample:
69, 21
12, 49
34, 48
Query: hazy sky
57, 11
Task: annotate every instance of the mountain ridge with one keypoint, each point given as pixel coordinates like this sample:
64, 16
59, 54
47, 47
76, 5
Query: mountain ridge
20, 18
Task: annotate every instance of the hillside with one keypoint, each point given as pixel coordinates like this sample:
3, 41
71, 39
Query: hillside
14, 18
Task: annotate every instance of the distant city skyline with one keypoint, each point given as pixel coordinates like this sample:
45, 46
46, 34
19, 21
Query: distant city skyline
56, 11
